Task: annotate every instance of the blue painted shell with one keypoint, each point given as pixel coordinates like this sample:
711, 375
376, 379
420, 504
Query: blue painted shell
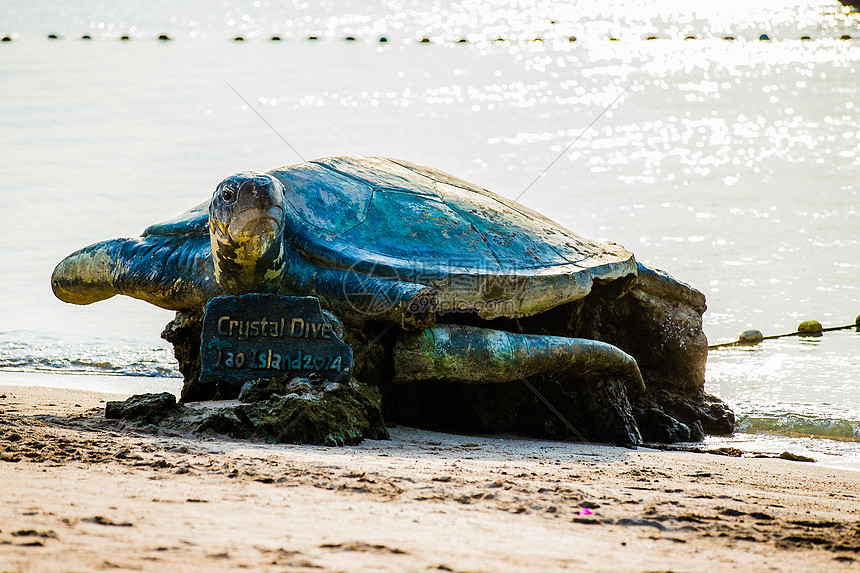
377, 217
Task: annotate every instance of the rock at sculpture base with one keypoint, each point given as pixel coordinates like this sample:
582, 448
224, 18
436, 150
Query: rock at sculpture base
663, 428
659, 323
331, 414
328, 413
183, 332
595, 410
144, 409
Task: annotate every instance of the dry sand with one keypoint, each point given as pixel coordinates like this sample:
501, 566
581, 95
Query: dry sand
79, 493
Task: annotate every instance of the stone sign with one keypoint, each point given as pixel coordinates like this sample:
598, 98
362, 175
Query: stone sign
263, 335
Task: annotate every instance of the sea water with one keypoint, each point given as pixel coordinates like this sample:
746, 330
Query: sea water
730, 161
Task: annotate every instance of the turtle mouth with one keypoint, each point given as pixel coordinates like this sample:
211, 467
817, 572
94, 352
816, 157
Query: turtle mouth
256, 224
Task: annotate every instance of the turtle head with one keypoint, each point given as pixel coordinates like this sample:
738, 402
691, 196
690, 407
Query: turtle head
246, 228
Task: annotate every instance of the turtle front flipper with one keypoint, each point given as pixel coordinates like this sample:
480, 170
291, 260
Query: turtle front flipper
358, 297
172, 272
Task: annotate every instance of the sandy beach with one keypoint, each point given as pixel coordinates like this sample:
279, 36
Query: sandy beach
83, 493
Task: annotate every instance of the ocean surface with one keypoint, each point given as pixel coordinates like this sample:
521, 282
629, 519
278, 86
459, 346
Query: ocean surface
670, 127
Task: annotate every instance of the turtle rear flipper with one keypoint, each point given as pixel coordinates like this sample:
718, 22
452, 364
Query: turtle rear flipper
475, 355
172, 272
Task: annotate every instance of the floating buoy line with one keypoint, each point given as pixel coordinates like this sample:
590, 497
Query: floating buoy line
460, 40
807, 328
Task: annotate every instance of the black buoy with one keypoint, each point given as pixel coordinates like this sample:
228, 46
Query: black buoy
804, 38
462, 41
312, 38
845, 37
86, 37
729, 38
124, 38
764, 38
500, 39
164, 38
651, 38
571, 38
53, 37
275, 39
350, 38
613, 39
690, 38
383, 40
238, 39
425, 40
5, 39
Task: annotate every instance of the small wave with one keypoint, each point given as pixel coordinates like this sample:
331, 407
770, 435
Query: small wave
71, 359
795, 425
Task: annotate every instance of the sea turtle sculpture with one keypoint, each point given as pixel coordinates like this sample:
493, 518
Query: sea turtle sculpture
457, 270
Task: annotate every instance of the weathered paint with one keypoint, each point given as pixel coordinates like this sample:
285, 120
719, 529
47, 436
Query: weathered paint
173, 272
480, 355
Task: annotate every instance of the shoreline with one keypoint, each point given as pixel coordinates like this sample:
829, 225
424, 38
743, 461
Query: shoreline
82, 492
828, 451
126, 385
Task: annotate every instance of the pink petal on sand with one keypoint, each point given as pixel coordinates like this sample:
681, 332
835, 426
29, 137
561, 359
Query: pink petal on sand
585, 511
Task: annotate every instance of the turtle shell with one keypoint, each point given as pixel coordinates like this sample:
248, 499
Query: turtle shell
483, 252
386, 218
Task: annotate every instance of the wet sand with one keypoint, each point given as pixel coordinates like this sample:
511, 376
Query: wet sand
78, 492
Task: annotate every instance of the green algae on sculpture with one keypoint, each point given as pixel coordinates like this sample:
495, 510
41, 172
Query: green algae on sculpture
499, 356
327, 414
339, 415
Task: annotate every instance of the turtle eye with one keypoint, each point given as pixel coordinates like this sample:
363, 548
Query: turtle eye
228, 195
